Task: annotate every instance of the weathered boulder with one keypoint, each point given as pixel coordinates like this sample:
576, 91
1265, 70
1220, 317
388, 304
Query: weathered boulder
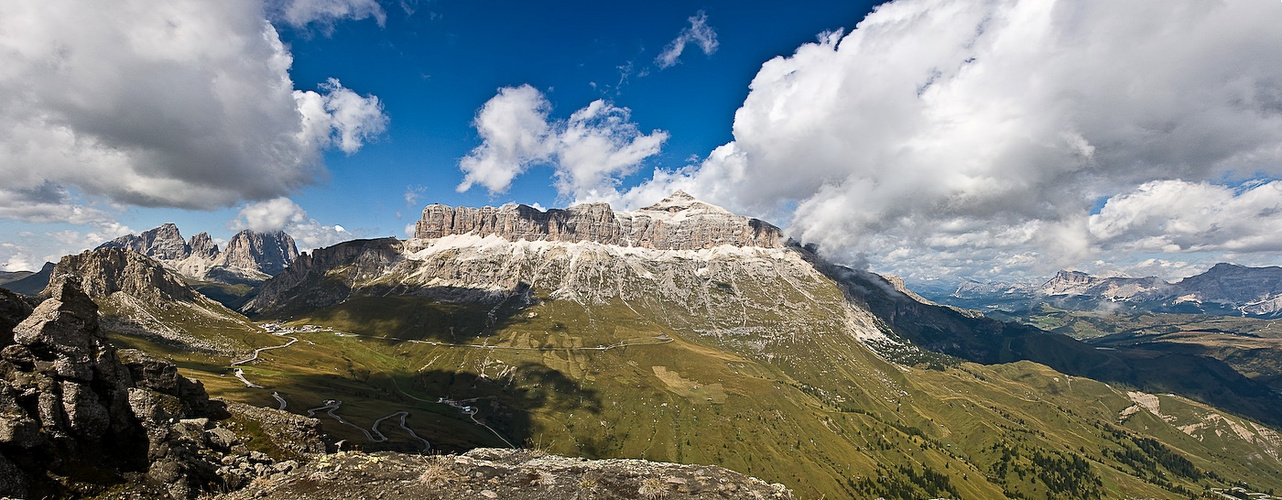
13, 483
86, 415
64, 327
508, 474
13, 309
149, 372
75, 419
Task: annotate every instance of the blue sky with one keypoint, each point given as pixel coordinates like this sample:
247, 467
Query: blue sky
928, 138
434, 68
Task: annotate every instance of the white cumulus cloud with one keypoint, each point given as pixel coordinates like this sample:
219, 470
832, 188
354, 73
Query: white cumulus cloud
597, 145
589, 152
282, 214
514, 131
174, 104
1175, 216
269, 216
325, 13
967, 137
698, 33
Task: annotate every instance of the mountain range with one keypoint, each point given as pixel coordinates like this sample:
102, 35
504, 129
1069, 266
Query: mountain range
249, 257
679, 332
1224, 289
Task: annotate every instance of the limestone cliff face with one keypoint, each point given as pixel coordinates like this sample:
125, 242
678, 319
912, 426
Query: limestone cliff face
268, 253
106, 271
202, 246
1070, 283
327, 275
679, 222
164, 242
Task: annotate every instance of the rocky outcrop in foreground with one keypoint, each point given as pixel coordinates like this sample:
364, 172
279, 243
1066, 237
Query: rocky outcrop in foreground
77, 417
679, 222
487, 473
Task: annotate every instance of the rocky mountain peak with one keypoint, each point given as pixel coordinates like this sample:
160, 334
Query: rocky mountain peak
164, 242
33, 284
268, 253
1068, 282
105, 271
201, 245
679, 222
679, 201
249, 257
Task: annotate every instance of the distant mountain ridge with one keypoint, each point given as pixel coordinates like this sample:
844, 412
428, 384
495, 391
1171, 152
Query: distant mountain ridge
1224, 289
679, 222
249, 257
31, 283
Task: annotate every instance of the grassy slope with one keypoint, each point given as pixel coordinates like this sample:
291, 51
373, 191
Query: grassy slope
1251, 346
762, 377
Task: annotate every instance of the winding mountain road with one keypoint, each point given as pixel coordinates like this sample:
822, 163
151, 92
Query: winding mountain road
659, 340
279, 400
372, 434
404, 415
261, 349
240, 374
334, 404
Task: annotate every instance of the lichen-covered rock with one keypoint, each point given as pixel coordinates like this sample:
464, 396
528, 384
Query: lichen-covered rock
290, 435
222, 439
507, 474
75, 420
161, 376
85, 413
63, 327
17, 427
